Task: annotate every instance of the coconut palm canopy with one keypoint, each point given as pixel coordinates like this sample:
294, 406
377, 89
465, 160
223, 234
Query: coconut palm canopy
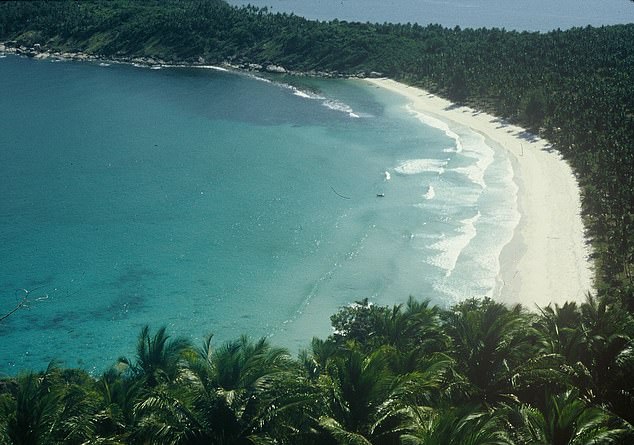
477, 373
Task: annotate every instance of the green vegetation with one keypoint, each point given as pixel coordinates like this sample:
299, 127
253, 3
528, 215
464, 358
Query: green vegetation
478, 373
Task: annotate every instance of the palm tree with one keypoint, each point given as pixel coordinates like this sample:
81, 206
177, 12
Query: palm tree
32, 416
567, 420
562, 331
413, 330
316, 360
236, 380
359, 385
359, 388
609, 338
118, 390
417, 328
416, 336
164, 416
489, 343
159, 360
239, 393
368, 402
595, 343
458, 426
55, 406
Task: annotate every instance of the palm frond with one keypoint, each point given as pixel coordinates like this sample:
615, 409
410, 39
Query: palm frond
342, 436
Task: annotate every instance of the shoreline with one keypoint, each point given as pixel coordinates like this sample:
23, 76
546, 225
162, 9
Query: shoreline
547, 260
39, 52
548, 200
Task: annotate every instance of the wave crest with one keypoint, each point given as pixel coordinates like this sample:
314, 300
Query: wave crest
417, 166
430, 194
451, 247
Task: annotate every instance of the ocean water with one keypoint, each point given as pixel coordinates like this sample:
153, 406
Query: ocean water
521, 15
214, 202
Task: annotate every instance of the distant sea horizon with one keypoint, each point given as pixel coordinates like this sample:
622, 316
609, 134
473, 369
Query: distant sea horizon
518, 15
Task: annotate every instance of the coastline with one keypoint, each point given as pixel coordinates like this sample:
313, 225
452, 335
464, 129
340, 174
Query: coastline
547, 260
39, 52
549, 241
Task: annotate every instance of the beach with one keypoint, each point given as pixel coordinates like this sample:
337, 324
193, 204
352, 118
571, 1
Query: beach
548, 259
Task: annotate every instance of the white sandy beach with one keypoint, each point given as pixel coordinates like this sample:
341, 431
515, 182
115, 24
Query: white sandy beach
547, 261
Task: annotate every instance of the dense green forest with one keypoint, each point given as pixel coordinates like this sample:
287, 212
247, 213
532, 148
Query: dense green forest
477, 373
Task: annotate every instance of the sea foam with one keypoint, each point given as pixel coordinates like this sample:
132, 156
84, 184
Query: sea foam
332, 104
475, 146
430, 194
417, 166
440, 125
340, 106
304, 94
204, 67
451, 246
477, 149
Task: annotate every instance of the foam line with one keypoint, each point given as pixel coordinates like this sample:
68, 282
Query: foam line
440, 125
417, 166
451, 247
430, 194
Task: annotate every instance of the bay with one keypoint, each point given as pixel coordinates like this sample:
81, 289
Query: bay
217, 202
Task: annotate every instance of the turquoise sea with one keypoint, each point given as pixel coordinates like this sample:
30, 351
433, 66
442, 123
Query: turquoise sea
216, 202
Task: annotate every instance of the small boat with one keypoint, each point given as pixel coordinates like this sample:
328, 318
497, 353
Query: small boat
380, 195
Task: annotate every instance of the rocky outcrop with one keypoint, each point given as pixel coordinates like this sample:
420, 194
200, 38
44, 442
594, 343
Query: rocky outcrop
40, 51
276, 69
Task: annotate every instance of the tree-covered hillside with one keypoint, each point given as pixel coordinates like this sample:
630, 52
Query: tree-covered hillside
477, 373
